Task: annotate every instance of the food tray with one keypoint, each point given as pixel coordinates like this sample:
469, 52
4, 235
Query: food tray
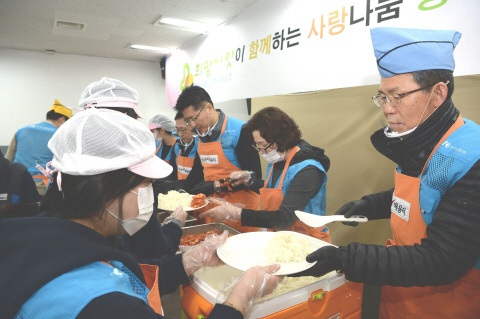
200, 229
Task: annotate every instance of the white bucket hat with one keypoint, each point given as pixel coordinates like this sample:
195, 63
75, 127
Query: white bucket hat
109, 93
100, 140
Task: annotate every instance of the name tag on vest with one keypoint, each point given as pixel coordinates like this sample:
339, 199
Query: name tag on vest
401, 208
209, 159
3, 196
184, 170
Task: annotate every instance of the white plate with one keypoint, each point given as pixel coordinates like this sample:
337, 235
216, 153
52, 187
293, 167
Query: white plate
247, 250
187, 209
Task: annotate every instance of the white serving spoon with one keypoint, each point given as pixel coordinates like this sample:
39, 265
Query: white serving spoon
317, 221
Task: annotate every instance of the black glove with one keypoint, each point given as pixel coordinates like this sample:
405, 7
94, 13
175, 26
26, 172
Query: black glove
328, 258
163, 186
205, 187
357, 207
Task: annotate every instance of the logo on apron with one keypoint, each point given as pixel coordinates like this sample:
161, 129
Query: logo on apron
209, 159
184, 170
401, 208
3, 196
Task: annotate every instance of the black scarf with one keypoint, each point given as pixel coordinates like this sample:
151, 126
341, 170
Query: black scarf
412, 151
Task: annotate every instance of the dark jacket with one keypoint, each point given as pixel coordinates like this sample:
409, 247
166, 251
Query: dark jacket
452, 245
16, 184
35, 250
304, 186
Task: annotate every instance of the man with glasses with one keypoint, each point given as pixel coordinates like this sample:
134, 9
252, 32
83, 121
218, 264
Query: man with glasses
223, 148
431, 267
185, 149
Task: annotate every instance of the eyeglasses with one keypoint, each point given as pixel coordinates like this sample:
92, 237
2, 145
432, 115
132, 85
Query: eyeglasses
264, 149
181, 131
395, 101
188, 121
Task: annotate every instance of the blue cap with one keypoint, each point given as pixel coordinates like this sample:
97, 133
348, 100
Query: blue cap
407, 50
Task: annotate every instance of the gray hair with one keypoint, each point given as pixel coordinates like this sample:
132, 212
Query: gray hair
430, 77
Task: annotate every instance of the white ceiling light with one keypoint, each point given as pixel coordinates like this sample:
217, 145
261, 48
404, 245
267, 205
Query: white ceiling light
69, 25
185, 25
149, 48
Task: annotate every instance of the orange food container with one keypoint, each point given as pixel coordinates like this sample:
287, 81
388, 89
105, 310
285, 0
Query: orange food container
333, 297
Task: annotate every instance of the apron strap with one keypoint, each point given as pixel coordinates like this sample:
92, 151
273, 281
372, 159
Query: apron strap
459, 122
159, 146
287, 164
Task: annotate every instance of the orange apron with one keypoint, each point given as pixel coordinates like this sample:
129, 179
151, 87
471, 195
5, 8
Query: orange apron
462, 297
220, 170
43, 178
272, 199
183, 161
160, 146
150, 273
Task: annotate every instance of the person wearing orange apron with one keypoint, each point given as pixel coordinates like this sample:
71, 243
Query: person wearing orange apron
185, 150
223, 148
162, 127
29, 144
431, 267
299, 182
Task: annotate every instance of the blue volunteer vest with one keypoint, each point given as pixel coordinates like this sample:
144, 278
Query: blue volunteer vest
66, 296
32, 146
230, 139
193, 152
317, 204
159, 153
452, 160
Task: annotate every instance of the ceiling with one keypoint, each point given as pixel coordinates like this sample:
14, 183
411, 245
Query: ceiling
111, 26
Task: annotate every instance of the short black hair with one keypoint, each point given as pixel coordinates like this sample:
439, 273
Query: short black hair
52, 115
430, 77
179, 115
193, 96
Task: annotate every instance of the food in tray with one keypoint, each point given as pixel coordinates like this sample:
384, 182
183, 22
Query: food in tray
173, 199
198, 200
192, 240
286, 247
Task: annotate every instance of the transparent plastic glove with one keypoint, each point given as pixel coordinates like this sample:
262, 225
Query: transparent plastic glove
255, 283
204, 254
224, 211
241, 177
179, 214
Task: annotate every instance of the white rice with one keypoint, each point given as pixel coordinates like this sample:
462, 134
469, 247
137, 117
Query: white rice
174, 199
285, 248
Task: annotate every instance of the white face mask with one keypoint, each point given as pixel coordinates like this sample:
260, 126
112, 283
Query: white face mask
145, 208
273, 157
158, 139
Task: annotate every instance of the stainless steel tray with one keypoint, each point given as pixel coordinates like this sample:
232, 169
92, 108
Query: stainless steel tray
200, 229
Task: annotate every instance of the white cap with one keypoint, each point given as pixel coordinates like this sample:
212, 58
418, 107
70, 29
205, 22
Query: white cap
109, 93
161, 121
100, 140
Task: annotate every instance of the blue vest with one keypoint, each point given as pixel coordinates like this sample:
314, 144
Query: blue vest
66, 296
193, 152
451, 161
230, 139
32, 146
317, 204
159, 153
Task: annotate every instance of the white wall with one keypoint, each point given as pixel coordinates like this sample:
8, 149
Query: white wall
30, 82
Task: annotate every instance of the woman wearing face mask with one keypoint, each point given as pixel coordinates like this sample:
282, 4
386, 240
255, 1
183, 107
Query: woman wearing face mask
71, 264
162, 127
296, 177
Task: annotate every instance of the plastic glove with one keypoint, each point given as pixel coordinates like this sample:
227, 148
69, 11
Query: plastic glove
242, 177
204, 254
224, 211
163, 186
328, 258
356, 207
205, 187
179, 214
253, 284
